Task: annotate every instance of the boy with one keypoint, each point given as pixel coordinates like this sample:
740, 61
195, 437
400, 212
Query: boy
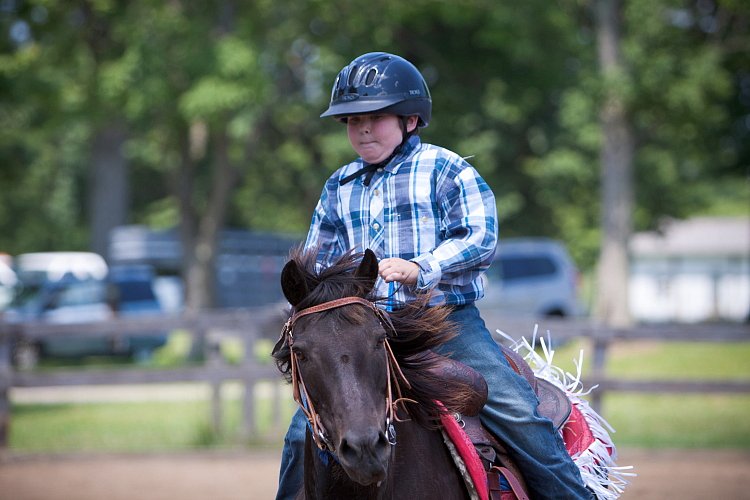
431, 220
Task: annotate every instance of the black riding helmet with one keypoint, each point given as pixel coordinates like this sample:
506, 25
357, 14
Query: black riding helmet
379, 81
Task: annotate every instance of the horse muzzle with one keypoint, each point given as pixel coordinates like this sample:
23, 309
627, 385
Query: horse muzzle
365, 455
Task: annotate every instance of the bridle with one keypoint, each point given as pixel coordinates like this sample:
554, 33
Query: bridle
301, 396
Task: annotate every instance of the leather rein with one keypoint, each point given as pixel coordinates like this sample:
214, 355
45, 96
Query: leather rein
299, 390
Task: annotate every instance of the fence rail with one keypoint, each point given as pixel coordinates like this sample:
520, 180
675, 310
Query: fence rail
604, 337
250, 325
207, 328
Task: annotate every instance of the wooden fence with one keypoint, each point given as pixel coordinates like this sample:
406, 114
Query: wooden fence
208, 328
250, 325
603, 338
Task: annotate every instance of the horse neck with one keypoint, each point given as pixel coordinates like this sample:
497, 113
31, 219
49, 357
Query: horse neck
325, 479
420, 467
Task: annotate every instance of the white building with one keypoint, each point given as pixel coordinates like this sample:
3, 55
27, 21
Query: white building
691, 271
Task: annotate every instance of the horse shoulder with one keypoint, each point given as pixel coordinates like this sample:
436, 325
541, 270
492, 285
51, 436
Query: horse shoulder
423, 465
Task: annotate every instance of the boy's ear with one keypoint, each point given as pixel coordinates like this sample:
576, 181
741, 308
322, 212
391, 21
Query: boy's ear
368, 269
411, 123
293, 283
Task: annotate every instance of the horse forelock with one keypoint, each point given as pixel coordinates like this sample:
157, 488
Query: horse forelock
332, 282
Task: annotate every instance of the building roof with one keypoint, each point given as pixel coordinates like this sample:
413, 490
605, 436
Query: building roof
700, 236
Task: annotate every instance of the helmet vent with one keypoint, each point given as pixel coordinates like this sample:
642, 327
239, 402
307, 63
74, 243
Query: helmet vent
371, 76
352, 74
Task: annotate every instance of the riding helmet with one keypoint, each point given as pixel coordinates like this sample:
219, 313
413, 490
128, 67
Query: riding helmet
379, 81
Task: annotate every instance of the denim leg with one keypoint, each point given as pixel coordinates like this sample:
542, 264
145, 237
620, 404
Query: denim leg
510, 412
291, 473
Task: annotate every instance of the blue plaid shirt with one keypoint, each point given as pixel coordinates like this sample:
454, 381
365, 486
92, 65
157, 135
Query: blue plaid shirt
427, 205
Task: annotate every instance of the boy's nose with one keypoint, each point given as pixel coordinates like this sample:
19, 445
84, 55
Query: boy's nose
365, 125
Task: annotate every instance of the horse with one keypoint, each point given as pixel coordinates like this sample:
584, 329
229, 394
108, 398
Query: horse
372, 391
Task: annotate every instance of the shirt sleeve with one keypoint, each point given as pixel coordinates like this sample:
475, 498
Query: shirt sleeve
323, 234
468, 228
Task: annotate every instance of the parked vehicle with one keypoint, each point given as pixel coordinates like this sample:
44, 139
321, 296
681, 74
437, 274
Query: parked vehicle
532, 277
78, 287
38, 267
8, 282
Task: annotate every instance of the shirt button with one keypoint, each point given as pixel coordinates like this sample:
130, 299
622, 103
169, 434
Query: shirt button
376, 226
424, 219
380, 169
376, 192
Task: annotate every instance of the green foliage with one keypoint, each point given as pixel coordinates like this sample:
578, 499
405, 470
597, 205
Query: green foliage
515, 85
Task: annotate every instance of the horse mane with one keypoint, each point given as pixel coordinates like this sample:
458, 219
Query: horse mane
417, 329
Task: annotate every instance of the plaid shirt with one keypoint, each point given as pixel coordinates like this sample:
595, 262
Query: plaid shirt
427, 205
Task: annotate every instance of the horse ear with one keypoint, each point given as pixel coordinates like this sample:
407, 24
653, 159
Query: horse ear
293, 283
368, 268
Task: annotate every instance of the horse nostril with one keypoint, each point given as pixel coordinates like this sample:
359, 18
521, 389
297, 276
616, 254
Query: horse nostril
344, 448
382, 439
356, 447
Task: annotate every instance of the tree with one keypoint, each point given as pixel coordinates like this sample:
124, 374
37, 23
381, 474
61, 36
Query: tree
215, 104
618, 150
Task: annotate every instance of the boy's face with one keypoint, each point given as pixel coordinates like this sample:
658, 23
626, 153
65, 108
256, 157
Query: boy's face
375, 136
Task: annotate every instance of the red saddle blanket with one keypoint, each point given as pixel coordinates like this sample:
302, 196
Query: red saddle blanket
468, 454
576, 434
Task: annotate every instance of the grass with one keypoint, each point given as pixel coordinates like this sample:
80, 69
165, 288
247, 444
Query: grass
673, 420
136, 427
642, 420
639, 360
679, 421
109, 427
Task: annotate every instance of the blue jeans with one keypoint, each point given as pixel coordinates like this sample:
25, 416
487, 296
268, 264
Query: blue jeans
510, 413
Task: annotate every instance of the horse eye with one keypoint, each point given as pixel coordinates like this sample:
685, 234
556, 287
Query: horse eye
299, 355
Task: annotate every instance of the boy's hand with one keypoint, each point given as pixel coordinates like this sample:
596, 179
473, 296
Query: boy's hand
395, 269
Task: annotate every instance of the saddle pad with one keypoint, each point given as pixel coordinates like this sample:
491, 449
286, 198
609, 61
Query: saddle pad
468, 454
576, 433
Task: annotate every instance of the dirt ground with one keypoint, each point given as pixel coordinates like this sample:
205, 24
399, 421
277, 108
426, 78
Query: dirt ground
695, 474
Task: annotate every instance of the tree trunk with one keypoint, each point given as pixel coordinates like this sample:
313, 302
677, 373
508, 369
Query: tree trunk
190, 153
109, 199
616, 173
201, 234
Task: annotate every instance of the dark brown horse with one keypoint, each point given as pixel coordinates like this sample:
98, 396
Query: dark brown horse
369, 384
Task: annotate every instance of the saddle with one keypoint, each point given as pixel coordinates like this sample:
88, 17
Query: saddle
553, 403
505, 480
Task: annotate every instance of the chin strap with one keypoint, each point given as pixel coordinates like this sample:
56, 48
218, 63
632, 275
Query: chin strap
368, 170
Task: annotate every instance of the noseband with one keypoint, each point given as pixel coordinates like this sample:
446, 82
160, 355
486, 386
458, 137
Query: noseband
301, 396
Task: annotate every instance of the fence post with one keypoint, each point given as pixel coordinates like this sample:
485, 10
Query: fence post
602, 337
248, 429
278, 422
6, 373
214, 362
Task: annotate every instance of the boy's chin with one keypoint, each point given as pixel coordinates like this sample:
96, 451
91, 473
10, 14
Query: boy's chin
372, 159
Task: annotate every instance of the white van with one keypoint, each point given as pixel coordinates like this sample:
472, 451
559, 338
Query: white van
8, 281
54, 266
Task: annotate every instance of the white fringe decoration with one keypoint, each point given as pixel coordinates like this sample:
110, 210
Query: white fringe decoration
597, 464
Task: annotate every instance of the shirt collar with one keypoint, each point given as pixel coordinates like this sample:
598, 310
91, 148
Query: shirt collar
411, 144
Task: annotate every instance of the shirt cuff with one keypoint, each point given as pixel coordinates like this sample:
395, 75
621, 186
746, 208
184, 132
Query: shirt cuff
429, 272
